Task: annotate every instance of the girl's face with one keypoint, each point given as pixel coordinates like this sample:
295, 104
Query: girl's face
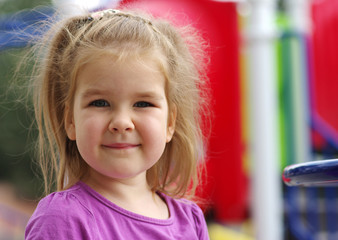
120, 118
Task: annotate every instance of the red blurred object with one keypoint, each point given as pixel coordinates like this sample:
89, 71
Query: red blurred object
227, 182
325, 82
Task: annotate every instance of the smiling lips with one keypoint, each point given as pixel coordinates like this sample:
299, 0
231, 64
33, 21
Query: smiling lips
121, 146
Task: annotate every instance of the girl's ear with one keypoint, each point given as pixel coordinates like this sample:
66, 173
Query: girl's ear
171, 123
69, 123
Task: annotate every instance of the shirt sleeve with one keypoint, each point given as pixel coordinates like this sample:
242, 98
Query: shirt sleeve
201, 225
61, 217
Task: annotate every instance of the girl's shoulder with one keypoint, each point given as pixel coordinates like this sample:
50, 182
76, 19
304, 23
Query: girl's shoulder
65, 210
186, 207
67, 201
188, 213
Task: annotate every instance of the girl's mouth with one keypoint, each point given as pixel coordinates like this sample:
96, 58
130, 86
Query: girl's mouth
121, 145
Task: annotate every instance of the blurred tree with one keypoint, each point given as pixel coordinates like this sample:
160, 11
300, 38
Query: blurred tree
12, 6
17, 164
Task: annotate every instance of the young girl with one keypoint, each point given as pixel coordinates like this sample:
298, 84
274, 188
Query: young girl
118, 105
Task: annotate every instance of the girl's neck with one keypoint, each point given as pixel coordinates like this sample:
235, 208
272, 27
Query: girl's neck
123, 189
131, 194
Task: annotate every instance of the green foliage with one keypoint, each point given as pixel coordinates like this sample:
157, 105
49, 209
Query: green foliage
12, 6
17, 137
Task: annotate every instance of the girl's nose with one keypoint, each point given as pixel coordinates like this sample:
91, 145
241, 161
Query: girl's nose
121, 123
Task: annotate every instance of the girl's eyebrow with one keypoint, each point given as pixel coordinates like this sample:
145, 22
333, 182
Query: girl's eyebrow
142, 94
92, 92
149, 94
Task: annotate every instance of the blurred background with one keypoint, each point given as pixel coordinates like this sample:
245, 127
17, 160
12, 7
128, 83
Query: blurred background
274, 78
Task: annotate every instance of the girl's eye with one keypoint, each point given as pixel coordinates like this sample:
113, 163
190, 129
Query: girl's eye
99, 103
143, 104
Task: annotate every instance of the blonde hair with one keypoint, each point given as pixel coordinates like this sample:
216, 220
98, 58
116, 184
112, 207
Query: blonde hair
181, 56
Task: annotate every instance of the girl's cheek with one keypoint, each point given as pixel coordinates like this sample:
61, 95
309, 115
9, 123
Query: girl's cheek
92, 124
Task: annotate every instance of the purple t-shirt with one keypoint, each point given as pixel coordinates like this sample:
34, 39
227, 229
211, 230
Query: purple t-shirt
82, 213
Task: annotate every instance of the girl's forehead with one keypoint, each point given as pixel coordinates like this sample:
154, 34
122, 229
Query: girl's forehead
152, 60
107, 67
105, 72
111, 62
120, 52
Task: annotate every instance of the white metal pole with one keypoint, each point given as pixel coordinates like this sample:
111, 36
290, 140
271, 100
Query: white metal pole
266, 179
299, 13
74, 7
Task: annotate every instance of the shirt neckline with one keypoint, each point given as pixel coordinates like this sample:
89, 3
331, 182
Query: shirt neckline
128, 213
